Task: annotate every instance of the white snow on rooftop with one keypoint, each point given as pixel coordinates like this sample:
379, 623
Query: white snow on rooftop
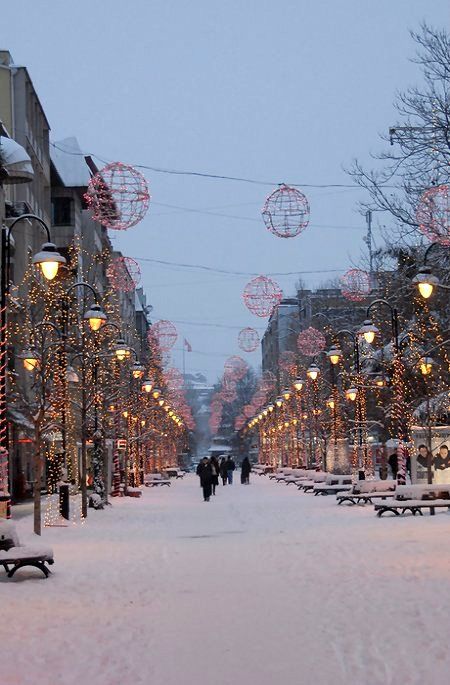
70, 163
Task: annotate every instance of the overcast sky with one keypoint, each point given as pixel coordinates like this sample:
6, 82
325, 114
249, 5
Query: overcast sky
276, 92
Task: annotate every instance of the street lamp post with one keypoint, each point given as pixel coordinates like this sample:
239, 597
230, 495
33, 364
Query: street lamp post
361, 443
48, 260
425, 280
369, 331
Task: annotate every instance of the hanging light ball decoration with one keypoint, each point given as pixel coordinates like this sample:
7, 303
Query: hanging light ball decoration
235, 368
118, 196
165, 333
433, 214
311, 341
124, 274
248, 339
355, 285
262, 295
286, 212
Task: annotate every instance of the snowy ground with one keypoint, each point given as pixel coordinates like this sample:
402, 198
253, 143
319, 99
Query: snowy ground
262, 586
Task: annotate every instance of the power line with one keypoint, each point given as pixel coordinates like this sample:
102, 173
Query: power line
203, 174
203, 267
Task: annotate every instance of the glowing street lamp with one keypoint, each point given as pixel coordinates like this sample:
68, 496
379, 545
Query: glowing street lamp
298, 384
156, 393
334, 355
313, 372
137, 370
96, 317
426, 282
351, 394
30, 359
121, 350
331, 403
48, 260
279, 402
368, 330
426, 365
286, 394
147, 385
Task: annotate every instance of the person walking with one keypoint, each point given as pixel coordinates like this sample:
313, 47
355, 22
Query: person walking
245, 471
223, 470
393, 463
230, 468
204, 471
215, 468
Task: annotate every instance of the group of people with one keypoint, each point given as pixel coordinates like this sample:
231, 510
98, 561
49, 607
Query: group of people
210, 470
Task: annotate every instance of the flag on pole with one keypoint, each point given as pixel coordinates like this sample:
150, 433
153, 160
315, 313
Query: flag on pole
187, 345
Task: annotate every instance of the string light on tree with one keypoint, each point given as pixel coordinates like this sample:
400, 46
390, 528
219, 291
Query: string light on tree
124, 274
433, 214
118, 196
248, 339
262, 295
286, 212
355, 285
311, 341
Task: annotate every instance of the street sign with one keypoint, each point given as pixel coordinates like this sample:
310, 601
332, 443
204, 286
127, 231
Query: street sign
121, 444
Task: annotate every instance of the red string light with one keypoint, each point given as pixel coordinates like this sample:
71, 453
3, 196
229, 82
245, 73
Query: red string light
118, 196
262, 295
355, 285
124, 274
311, 341
248, 339
433, 214
286, 212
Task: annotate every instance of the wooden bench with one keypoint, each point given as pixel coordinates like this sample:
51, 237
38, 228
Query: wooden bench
415, 498
307, 484
153, 480
333, 485
14, 556
364, 491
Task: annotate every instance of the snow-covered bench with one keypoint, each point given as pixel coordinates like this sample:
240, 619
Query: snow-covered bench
13, 555
414, 498
333, 485
153, 480
308, 483
173, 472
364, 491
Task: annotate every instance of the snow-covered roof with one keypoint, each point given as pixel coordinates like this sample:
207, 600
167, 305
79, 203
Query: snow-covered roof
70, 163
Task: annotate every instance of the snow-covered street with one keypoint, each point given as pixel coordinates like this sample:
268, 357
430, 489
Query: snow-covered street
262, 585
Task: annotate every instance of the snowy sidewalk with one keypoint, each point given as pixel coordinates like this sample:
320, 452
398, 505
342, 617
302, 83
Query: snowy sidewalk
261, 586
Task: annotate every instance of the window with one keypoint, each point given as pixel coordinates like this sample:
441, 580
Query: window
61, 211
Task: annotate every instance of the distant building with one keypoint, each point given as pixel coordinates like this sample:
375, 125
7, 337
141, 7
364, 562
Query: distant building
280, 335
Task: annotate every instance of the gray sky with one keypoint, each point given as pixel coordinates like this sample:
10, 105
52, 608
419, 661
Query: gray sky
278, 92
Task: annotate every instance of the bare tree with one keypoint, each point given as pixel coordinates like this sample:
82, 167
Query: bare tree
417, 151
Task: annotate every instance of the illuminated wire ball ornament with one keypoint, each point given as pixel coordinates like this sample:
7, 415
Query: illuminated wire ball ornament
286, 212
165, 333
433, 214
355, 285
311, 341
248, 339
235, 368
118, 196
262, 295
124, 274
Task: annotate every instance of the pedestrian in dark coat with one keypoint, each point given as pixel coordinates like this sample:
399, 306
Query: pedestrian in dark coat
215, 468
204, 471
223, 470
245, 471
393, 463
230, 468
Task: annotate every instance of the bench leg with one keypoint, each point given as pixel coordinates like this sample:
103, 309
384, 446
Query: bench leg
380, 512
37, 564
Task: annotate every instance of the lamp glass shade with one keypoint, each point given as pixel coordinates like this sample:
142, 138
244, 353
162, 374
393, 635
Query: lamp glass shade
426, 365
313, 372
368, 330
426, 282
334, 354
351, 394
147, 386
48, 260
